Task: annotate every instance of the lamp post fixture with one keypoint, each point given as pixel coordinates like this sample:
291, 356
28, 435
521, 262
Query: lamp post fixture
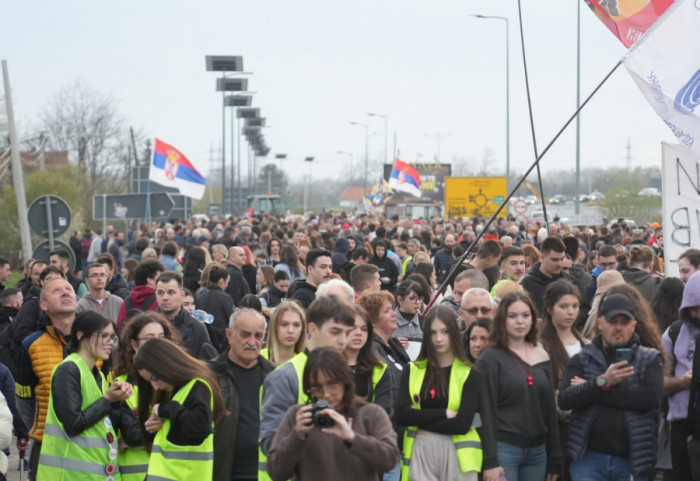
386, 151
224, 64
495, 17
366, 127
235, 101
308, 184
438, 137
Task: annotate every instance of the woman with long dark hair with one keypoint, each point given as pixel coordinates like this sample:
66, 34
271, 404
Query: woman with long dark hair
344, 438
84, 415
667, 302
372, 379
195, 260
521, 392
289, 263
476, 337
440, 400
561, 340
179, 401
133, 461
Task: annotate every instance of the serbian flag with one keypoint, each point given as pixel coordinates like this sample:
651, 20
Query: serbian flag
628, 19
172, 169
405, 178
665, 65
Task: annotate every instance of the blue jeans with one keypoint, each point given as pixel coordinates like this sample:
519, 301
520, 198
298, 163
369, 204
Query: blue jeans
596, 466
523, 464
394, 474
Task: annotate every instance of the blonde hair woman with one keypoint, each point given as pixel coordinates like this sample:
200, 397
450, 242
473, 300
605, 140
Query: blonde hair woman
286, 333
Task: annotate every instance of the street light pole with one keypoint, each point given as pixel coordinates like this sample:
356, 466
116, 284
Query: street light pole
507, 92
366, 149
577, 202
438, 138
385, 117
307, 193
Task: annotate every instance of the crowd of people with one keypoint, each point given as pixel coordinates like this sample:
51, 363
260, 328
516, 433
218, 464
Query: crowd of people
302, 347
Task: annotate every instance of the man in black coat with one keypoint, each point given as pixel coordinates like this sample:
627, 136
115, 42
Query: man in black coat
215, 301
241, 371
544, 272
238, 287
170, 294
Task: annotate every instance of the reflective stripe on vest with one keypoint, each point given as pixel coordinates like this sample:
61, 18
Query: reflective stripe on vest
299, 362
377, 374
467, 446
84, 457
172, 461
133, 462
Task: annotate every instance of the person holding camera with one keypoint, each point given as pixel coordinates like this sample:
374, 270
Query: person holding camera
340, 436
613, 387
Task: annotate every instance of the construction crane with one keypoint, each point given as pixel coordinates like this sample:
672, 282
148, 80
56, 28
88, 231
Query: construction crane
530, 186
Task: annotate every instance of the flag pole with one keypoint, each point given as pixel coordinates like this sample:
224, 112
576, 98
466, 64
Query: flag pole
532, 121
453, 270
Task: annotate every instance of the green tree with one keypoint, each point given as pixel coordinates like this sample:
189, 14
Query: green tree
272, 178
61, 182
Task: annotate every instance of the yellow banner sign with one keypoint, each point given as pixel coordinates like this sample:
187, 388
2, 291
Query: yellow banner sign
474, 196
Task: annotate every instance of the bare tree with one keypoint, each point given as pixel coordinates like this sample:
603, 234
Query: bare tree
86, 124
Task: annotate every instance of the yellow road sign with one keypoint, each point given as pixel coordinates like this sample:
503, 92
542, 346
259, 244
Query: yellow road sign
474, 196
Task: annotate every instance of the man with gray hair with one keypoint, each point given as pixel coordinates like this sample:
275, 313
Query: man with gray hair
476, 303
240, 371
335, 287
464, 281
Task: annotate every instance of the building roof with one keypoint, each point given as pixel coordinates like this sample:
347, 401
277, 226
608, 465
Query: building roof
353, 193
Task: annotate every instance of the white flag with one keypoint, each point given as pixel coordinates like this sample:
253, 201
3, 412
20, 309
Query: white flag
665, 64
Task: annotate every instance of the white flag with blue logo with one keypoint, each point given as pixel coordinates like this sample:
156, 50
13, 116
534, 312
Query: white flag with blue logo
665, 64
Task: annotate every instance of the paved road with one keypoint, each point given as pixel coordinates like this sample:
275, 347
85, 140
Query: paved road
12, 472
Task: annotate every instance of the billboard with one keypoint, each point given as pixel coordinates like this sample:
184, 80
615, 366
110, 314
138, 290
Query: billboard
432, 186
474, 196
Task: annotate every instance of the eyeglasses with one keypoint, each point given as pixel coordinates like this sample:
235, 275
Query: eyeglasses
159, 336
475, 310
607, 265
318, 389
414, 299
97, 276
108, 338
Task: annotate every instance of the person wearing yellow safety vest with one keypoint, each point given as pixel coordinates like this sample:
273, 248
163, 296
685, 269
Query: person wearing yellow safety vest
286, 334
179, 401
518, 376
441, 401
340, 436
329, 322
84, 413
133, 461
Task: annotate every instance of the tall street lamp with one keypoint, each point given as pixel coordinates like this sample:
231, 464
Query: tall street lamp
386, 151
235, 101
366, 127
438, 138
507, 93
224, 64
308, 183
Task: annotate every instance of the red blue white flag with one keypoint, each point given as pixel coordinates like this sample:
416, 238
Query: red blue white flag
665, 65
405, 178
628, 19
172, 169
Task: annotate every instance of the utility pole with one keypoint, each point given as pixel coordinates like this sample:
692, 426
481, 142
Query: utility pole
17, 175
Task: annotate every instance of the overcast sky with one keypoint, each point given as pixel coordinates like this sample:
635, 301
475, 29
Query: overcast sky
428, 65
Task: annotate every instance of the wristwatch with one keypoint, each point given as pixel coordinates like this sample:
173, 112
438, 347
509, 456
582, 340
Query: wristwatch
602, 383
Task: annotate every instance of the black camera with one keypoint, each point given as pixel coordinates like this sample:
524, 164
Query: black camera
320, 419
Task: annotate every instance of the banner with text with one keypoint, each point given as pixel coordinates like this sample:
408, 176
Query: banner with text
681, 203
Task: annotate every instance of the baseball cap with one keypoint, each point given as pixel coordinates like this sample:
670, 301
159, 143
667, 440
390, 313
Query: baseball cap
616, 304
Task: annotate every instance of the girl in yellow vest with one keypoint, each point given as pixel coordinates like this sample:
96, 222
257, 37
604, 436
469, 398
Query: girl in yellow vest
518, 374
286, 333
84, 414
179, 400
440, 400
352, 440
133, 462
